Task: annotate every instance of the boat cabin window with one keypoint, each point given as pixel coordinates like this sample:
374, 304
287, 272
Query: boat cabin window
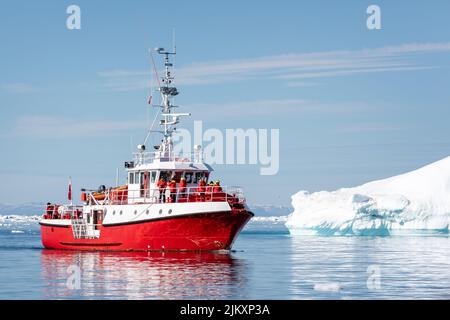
139, 177
142, 175
198, 176
194, 177
136, 178
166, 175
188, 177
131, 178
177, 176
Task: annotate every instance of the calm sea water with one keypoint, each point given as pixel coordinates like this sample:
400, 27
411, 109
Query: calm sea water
267, 263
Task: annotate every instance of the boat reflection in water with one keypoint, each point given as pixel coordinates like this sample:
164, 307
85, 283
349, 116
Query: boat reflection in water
143, 275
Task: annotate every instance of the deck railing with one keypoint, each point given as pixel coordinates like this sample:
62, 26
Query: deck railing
63, 212
231, 194
148, 157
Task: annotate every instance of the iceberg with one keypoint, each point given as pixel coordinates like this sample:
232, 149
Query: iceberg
18, 224
413, 202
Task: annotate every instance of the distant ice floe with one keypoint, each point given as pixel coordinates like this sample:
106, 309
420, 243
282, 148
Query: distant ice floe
272, 224
18, 223
415, 201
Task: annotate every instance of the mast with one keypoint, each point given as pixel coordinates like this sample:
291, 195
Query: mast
168, 91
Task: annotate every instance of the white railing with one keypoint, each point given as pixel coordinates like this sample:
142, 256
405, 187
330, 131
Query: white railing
81, 229
148, 157
231, 194
63, 211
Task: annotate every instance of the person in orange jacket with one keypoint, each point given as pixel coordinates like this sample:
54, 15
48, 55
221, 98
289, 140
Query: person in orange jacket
209, 189
182, 187
217, 188
48, 211
201, 187
162, 184
173, 190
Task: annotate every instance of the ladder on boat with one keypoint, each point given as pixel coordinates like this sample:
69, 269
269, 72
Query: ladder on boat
79, 228
82, 230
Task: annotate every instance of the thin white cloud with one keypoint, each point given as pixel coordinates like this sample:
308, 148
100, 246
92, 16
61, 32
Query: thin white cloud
373, 127
300, 84
59, 127
271, 108
18, 88
305, 65
337, 73
54, 127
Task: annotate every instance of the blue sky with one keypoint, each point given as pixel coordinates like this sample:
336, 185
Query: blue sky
352, 105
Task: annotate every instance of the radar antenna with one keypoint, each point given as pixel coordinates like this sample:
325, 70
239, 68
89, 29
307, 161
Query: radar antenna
168, 91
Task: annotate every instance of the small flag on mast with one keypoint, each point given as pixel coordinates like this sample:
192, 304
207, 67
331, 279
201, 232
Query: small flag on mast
150, 100
69, 194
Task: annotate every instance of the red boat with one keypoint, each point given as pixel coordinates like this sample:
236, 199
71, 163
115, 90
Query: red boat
166, 204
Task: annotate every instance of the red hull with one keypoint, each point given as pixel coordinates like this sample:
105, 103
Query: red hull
207, 231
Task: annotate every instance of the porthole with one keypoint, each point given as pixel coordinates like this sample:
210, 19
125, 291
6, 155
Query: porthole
114, 212
147, 211
135, 212
120, 212
170, 211
160, 211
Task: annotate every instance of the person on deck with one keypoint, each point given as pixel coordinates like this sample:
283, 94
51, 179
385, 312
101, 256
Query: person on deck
173, 190
55, 213
217, 188
183, 187
162, 184
48, 211
209, 189
201, 187
144, 190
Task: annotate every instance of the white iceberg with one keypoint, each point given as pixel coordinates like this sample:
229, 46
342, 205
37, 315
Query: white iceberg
328, 287
415, 201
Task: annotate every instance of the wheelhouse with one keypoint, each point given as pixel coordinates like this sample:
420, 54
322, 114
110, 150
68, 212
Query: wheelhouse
142, 180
